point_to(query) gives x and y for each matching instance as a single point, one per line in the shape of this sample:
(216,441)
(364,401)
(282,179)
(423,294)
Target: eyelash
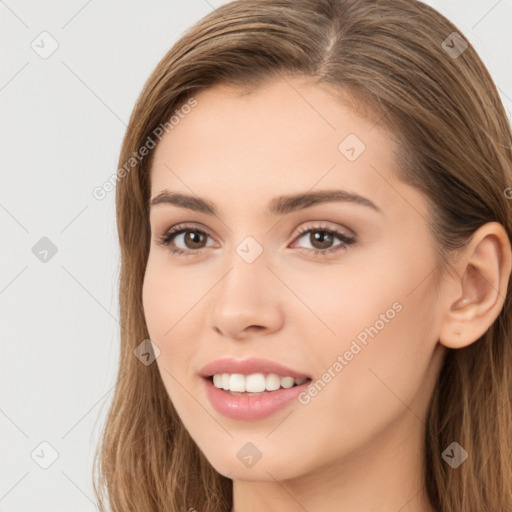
(169,236)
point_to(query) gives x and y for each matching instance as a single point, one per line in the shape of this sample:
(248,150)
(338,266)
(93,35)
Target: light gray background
(63,119)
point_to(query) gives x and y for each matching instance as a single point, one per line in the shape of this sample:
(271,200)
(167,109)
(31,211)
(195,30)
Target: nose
(247,301)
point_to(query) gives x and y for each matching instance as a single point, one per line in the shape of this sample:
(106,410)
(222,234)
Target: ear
(480,288)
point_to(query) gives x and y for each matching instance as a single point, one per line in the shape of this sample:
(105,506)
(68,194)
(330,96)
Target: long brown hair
(402,62)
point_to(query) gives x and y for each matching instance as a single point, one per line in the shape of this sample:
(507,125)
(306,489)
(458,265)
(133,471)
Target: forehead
(286,136)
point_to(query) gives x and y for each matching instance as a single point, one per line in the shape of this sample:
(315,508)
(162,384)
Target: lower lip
(256,407)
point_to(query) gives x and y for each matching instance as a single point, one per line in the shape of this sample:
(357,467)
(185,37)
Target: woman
(314,213)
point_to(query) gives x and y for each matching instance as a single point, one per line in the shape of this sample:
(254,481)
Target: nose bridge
(245,296)
(247,270)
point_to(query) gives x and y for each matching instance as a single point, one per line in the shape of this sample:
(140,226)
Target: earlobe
(481,287)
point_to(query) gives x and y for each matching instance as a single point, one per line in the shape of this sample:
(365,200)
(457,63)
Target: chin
(234,467)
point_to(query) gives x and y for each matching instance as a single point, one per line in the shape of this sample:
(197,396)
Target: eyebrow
(278,206)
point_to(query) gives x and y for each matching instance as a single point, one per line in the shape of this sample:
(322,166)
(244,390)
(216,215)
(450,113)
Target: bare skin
(357,446)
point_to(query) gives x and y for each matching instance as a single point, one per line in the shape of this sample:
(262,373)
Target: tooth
(287,382)
(217,380)
(237,382)
(255,383)
(272,382)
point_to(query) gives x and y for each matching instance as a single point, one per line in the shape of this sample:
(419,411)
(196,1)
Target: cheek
(385,362)
(377,315)
(390,338)
(156,301)
(168,302)
(337,301)
(170,328)
(171,299)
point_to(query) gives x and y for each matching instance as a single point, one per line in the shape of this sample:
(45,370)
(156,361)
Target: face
(339,291)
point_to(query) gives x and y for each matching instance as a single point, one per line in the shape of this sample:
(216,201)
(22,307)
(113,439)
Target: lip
(245,407)
(249,366)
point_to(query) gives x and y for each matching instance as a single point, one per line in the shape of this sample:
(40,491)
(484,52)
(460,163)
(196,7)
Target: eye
(191,234)
(320,238)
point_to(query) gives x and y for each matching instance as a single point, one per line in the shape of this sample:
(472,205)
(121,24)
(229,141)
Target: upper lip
(249,366)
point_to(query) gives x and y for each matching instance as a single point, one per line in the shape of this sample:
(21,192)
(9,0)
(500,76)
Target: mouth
(253,388)
(252,402)
(254,384)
